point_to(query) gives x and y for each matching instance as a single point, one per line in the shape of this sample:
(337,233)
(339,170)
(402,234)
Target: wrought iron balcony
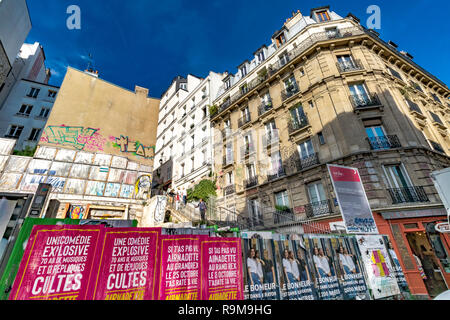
(228,190)
(354,65)
(280,172)
(283,216)
(318,209)
(265,107)
(408,194)
(307,162)
(297,124)
(224,105)
(250,183)
(289,92)
(362,101)
(244,120)
(384,142)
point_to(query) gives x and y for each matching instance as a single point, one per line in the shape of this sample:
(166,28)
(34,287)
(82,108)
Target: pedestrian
(202,206)
(177,199)
(184,196)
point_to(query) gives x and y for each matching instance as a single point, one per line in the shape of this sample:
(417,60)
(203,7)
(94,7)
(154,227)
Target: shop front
(423,252)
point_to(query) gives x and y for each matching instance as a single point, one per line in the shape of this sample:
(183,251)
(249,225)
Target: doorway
(432,269)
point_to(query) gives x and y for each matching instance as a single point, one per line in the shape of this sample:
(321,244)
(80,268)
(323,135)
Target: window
(311,104)
(397,176)
(436,118)
(44,112)
(182,170)
(255,212)
(192,164)
(377,137)
(15,132)
(34,135)
(183,86)
(282,199)
(246,113)
(280,40)
(271,131)
(266,100)
(297,114)
(25,110)
(316,193)
(277,163)
(332,33)
(251,172)
(51,93)
(302,71)
(284,58)
(321,138)
(291,84)
(33,93)
(435,97)
(322,16)
(227,83)
(244,88)
(205,156)
(306,149)
(260,56)
(243,70)
(230,178)
(413,106)
(395,73)
(359,94)
(346,62)
(415,85)
(229,153)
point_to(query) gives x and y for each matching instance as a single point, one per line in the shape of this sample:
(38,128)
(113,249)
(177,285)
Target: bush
(26,152)
(203,190)
(213,110)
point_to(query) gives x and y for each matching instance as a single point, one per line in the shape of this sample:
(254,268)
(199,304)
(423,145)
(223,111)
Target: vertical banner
(325,267)
(58,263)
(221,265)
(352,200)
(381,279)
(350,269)
(259,266)
(127,261)
(179,267)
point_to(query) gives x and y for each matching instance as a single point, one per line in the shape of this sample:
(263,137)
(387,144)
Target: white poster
(380,273)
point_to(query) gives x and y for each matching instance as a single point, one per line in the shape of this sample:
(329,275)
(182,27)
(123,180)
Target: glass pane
(313,195)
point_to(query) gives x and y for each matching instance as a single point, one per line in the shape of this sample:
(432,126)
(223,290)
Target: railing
(283,216)
(231,189)
(265,107)
(305,45)
(297,124)
(244,120)
(317,209)
(307,162)
(408,194)
(286,94)
(361,101)
(355,65)
(250,183)
(281,172)
(384,142)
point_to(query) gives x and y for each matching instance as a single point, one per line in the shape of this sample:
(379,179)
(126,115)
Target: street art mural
(134,147)
(76,212)
(143,187)
(80,138)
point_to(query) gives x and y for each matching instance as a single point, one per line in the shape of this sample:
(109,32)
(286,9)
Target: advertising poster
(57,263)
(350,269)
(221,265)
(126,269)
(381,279)
(325,267)
(352,200)
(179,267)
(396,267)
(260,266)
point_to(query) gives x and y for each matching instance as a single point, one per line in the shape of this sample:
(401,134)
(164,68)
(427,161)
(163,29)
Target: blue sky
(148,43)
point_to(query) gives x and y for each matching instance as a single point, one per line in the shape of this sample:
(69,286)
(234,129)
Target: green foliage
(213,110)
(203,190)
(281,208)
(26,152)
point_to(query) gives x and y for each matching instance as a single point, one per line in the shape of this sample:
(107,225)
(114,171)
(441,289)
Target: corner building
(327,90)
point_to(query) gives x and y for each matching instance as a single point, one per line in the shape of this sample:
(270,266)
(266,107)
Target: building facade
(327,90)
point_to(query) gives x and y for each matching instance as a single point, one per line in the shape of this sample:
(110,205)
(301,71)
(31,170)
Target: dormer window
(280,40)
(243,71)
(227,83)
(260,56)
(323,16)
(183,86)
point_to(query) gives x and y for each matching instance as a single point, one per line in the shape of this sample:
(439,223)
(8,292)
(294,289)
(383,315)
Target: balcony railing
(408,194)
(244,120)
(297,124)
(299,50)
(318,209)
(228,190)
(265,107)
(280,172)
(355,65)
(384,142)
(362,101)
(250,183)
(307,162)
(283,216)
(289,92)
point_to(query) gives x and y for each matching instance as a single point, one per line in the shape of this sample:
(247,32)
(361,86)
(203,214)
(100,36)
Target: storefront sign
(352,200)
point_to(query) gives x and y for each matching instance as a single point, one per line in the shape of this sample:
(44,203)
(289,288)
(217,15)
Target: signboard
(380,273)
(441,180)
(57,264)
(352,200)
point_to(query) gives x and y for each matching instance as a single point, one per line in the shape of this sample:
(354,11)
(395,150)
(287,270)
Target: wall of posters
(381,279)
(396,267)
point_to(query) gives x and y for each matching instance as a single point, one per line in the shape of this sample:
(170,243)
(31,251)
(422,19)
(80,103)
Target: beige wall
(93,115)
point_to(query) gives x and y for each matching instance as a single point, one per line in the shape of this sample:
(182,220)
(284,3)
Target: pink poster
(179,267)
(221,262)
(58,263)
(126,269)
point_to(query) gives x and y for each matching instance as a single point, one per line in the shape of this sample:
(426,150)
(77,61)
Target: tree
(203,190)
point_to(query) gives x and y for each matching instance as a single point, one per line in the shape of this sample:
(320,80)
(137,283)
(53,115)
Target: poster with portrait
(350,269)
(381,279)
(259,266)
(396,267)
(325,267)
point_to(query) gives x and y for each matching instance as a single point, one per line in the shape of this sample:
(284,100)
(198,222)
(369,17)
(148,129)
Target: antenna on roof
(90,70)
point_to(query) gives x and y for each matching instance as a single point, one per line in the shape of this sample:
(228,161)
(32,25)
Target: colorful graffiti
(76,212)
(80,138)
(134,147)
(143,186)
